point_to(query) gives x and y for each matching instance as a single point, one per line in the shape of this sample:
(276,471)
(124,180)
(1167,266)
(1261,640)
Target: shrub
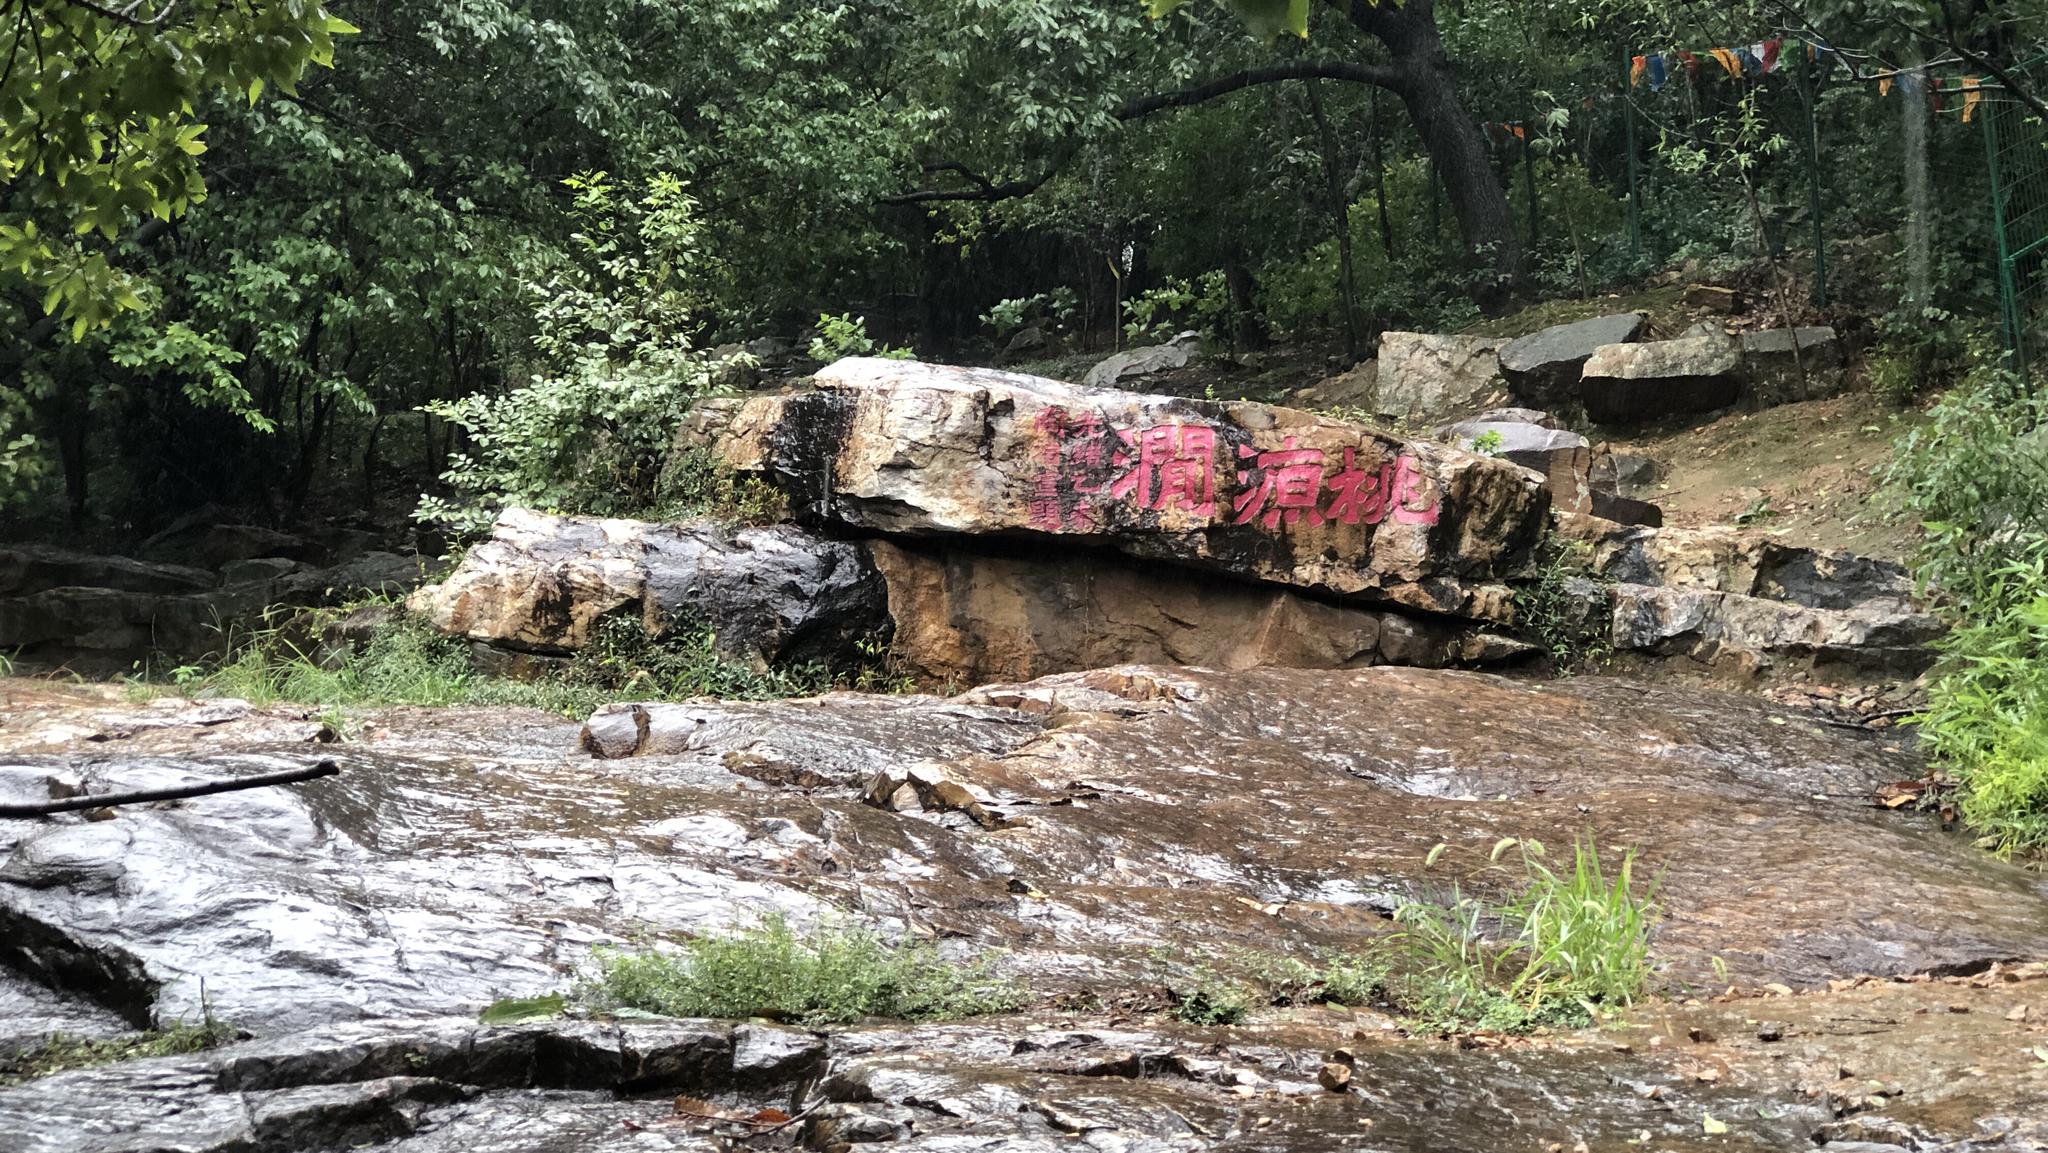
(694,484)
(1976,478)
(834,975)
(616,370)
(847,335)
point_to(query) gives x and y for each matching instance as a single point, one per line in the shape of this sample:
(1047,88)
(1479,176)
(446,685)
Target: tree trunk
(1340,219)
(1424,83)
(1379,181)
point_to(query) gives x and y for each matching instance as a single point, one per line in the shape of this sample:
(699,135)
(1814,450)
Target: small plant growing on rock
(833,975)
(1487,443)
(695,484)
(60,1052)
(1561,607)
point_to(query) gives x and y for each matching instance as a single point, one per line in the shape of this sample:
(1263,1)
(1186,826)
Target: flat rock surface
(465,854)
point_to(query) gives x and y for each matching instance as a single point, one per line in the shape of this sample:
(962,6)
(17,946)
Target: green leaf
(512,1010)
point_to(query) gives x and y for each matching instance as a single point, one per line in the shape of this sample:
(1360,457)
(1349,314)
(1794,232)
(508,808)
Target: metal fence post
(1635,195)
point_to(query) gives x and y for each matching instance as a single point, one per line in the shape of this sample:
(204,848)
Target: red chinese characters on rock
(1172,467)
(1067,441)
(1287,485)
(1169,466)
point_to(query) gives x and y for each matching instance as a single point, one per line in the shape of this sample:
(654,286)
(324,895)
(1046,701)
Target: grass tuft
(833,975)
(61,1052)
(1573,941)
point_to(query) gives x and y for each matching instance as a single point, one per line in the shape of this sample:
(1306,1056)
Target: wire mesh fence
(2016,158)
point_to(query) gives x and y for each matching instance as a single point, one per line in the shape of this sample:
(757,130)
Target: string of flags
(1754,61)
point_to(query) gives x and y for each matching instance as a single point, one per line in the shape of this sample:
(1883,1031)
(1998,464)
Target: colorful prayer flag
(1971,95)
(1728,60)
(1636,68)
(1658,73)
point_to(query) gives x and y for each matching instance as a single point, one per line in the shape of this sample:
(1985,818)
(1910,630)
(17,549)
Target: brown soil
(1806,472)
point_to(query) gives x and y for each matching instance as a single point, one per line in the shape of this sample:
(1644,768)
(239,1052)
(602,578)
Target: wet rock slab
(1867,1066)
(427,1086)
(1085,823)
(466,855)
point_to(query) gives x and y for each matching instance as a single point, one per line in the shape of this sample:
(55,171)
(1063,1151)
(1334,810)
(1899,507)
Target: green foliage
(1202,304)
(1211,999)
(1976,478)
(1332,977)
(836,974)
(1893,377)
(682,661)
(60,1052)
(1487,443)
(695,484)
(1265,18)
(843,336)
(1055,309)
(512,1010)
(99,128)
(1552,606)
(589,433)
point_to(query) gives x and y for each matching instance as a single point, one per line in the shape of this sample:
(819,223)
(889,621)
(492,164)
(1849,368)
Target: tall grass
(406,662)
(1573,941)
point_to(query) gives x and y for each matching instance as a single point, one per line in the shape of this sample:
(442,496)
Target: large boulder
(1112,370)
(1427,379)
(1355,387)
(1636,383)
(542,584)
(1262,493)
(1792,364)
(1543,367)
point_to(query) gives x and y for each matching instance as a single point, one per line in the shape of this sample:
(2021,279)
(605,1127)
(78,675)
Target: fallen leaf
(1711,1127)
(514,1009)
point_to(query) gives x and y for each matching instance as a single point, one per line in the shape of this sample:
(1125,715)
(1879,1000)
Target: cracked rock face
(1261,493)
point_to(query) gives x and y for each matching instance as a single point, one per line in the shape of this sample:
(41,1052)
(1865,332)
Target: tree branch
(1377,75)
(1139,107)
(179,793)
